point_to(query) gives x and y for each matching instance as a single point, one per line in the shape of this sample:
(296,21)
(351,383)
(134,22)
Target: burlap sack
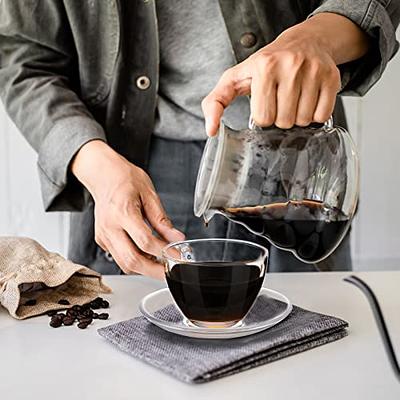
(30,272)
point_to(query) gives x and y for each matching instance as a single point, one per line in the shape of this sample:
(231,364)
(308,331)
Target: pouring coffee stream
(298,188)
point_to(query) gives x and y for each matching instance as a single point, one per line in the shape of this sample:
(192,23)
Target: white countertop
(39,362)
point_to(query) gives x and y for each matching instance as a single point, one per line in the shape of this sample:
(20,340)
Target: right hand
(127,208)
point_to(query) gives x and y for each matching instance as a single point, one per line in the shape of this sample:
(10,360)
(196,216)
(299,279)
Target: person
(114,95)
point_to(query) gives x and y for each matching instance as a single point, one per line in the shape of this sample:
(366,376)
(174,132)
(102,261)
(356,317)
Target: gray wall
(373,123)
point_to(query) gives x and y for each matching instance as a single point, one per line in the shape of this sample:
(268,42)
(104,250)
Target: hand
(126,208)
(294,80)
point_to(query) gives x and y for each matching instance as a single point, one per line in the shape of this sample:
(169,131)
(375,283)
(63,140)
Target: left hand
(292,81)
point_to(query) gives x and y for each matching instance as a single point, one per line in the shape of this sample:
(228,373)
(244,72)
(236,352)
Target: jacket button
(108,256)
(248,39)
(143,82)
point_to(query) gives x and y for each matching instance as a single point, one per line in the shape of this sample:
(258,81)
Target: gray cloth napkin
(200,360)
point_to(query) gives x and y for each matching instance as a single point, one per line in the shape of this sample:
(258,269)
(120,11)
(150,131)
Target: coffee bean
(88,313)
(72,313)
(81,317)
(84,313)
(31,302)
(94,305)
(105,304)
(85,307)
(82,325)
(55,323)
(67,321)
(58,316)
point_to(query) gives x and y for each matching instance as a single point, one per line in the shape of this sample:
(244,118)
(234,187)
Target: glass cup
(214,282)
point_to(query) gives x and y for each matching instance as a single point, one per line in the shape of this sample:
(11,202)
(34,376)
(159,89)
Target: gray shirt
(194,52)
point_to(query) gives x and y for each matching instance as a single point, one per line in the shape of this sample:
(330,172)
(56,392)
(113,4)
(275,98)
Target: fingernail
(167,222)
(179,234)
(209,124)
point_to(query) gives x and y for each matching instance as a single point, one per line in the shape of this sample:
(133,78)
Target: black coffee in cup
(214,292)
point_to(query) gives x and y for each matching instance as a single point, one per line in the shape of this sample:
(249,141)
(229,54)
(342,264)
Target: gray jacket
(76,70)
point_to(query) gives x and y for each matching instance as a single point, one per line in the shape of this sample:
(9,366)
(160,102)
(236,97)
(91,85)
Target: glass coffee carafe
(298,187)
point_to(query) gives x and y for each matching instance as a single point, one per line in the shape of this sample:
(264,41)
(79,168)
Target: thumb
(158,219)
(233,82)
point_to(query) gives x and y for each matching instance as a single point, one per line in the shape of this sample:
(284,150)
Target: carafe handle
(327,125)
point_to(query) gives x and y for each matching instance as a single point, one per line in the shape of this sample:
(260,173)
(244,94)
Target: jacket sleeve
(379,19)
(39,89)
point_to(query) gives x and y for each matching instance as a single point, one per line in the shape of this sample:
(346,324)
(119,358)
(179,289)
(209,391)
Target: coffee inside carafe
(308,228)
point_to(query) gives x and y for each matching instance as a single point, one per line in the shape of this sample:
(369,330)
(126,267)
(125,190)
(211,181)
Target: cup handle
(327,125)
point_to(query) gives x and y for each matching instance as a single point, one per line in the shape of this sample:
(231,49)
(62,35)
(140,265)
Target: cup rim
(264,250)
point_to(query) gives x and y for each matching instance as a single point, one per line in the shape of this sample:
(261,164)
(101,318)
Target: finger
(101,243)
(307,103)
(99,236)
(288,93)
(263,100)
(325,105)
(142,235)
(130,259)
(327,97)
(158,219)
(233,82)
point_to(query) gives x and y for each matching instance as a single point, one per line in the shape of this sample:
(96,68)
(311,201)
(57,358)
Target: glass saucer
(269,309)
